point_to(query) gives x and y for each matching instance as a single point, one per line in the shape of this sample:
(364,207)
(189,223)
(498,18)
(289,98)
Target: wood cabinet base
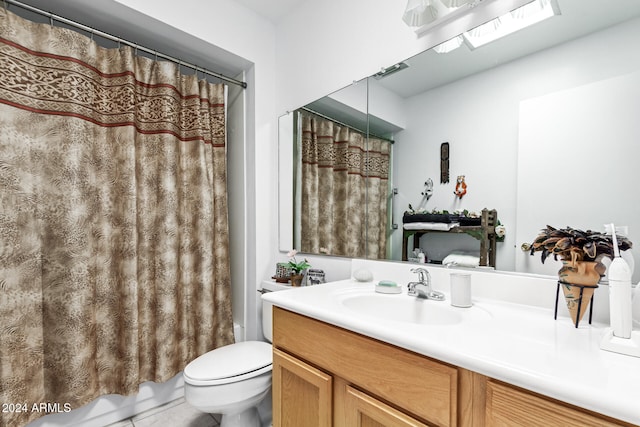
(324,375)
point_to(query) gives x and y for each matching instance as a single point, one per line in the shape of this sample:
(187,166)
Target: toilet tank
(267,307)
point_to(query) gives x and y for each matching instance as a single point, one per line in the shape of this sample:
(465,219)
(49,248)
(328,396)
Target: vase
(579,280)
(296,279)
(577,304)
(586,273)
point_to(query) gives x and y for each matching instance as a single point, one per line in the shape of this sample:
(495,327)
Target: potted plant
(581,253)
(297,267)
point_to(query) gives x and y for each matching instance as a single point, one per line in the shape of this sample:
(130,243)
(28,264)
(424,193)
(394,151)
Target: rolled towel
(461,259)
(437,226)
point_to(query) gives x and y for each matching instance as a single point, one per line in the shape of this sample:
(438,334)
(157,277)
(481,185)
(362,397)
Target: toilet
(235,380)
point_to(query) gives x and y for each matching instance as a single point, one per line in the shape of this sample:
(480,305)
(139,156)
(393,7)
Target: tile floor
(175,414)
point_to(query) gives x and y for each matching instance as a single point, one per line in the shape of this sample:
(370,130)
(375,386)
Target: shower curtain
(114,260)
(344,190)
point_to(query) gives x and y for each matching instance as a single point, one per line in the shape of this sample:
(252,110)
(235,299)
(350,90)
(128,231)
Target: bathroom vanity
(346,356)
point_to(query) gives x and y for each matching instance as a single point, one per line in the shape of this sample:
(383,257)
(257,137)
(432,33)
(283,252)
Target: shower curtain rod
(53,17)
(309,110)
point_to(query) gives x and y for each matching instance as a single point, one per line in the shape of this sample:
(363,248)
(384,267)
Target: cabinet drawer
(420,386)
(362,410)
(511,406)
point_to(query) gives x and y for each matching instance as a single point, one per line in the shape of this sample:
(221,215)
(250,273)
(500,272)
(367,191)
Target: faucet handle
(423,273)
(423,288)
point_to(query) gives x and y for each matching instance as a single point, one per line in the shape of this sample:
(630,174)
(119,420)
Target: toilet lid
(232,362)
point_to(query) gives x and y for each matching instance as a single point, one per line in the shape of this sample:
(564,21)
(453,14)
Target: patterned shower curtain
(345,178)
(114,261)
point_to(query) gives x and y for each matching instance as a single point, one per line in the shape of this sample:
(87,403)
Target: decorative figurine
(428,190)
(461,187)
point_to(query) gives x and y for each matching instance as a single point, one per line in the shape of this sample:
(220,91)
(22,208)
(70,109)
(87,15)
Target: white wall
(236,181)
(597,142)
(323,46)
(386,105)
(479,116)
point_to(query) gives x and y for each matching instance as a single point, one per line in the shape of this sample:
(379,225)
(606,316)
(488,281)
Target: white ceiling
(273,10)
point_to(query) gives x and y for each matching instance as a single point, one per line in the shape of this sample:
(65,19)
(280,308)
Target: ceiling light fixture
(419,13)
(455,3)
(424,15)
(522,17)
(449,45)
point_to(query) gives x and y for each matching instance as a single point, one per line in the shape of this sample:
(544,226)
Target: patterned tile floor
(175,414)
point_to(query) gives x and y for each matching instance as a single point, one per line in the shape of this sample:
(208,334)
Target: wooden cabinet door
(421,386)
(362,410)
(302,394)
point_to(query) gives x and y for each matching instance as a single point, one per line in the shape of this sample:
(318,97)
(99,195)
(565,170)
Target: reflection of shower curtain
(377,181)
(344,190)
(114,264)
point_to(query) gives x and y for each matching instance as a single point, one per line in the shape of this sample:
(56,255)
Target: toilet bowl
(234,380)
(230,381)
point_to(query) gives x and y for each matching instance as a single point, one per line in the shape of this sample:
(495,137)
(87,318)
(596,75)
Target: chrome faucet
(422,288)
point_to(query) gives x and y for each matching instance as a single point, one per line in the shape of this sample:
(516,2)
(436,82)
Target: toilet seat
(229,364)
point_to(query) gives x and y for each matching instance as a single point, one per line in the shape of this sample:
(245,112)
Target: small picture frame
(315,276)
(283,272)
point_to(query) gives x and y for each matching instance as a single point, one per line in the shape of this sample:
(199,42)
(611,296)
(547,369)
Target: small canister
(461,289)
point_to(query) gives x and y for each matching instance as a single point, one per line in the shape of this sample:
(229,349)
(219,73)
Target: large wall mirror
(541,123)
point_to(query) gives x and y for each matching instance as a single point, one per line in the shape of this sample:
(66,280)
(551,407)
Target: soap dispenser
(620,338)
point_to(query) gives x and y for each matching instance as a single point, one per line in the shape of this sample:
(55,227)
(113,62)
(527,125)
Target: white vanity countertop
(518,344)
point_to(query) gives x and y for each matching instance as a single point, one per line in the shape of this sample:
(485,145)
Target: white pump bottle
(620,338)
(620,293)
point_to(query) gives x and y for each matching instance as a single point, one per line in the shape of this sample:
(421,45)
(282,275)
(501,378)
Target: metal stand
(555,316)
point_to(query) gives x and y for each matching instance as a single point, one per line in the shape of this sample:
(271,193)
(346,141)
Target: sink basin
(408,309)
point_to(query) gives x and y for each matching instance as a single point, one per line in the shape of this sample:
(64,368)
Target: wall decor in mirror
(541,122)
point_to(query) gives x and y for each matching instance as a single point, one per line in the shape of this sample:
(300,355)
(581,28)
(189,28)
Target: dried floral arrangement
(570,244)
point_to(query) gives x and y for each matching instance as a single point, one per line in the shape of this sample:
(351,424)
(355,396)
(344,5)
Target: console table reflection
(485,233)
